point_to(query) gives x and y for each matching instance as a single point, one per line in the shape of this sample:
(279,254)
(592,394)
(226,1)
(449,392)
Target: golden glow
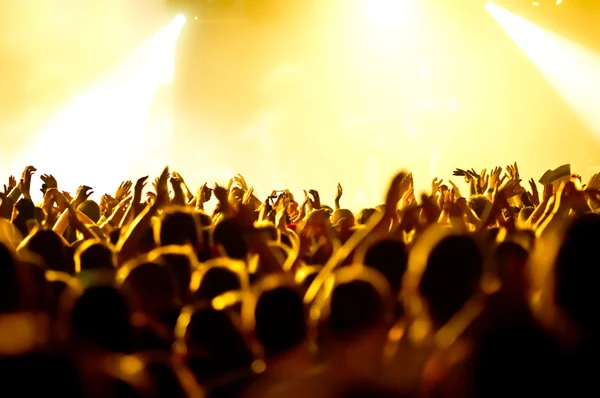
(82,143)
(573,71)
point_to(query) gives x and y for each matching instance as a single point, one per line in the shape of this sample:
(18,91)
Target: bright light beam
(100,135)
(571,69)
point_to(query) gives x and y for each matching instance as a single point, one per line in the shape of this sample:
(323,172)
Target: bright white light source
(536,4)
(573,70)
(112,115)
(559,2)
(180,19)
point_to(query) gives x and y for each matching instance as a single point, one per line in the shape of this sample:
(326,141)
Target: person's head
(182,263)
(150,286)
(94,255)
(576,272)
(100,318)
(451,277)
(230,236)
(212,280)
(355,301)
(340,214)
(479,204)
(389,257)
(25,213)
(518,358)
(91,209)
(50,248)
(210,342)
(511,266)
(279,320)
(178,227)
(363,216)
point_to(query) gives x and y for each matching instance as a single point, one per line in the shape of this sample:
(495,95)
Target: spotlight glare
(536,4)
(559,2)
(490,5)
(180,19)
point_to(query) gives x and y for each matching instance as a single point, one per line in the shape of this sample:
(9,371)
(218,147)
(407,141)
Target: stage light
(559,2)
(536,4)
(571,69)
(113,113)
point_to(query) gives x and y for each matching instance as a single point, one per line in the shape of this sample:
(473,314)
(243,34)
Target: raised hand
(463,173)
(178,195)
(338,196)
(247,199)
(594,182)
(140,184)
(203,195)
(534,195)
(241,182)
(12,182)
(49,181)
(512,171)
(315,201)
(83,193)
(495,178)
(123,191)
(162,188)
(548,192)
(26,181)
(512,188)
(483,181)
(455,190)
(435,186)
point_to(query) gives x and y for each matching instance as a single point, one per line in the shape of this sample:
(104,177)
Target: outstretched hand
(124,190)
(26,181)
(338,196)
(83,193)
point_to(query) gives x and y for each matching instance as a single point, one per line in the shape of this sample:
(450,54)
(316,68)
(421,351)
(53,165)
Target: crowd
(144,294)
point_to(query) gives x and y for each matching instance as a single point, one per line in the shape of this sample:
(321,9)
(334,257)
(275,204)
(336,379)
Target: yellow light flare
(571,69)
(105,134)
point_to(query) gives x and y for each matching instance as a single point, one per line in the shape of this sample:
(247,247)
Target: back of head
(215,281)
(231,237)
(94,255)
(151,286)
(178,228)
(50,247)
(511,262)
(100,317)
(525,213)
(354,301)
(91,209)
(10,292)
(363,216)
(577,272)
(479,204)
(451,277)
(181,266)
(516,359)
(214,345)
(389,257)
(279,319)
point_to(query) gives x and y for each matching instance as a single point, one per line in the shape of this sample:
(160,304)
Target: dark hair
(231,237)
(95,256)
(101,317)
(280,321)
(451,277)
(576,273)
(91,209)
(389,257)
(479,204)
(216,281)
(50,247)
(179,228)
